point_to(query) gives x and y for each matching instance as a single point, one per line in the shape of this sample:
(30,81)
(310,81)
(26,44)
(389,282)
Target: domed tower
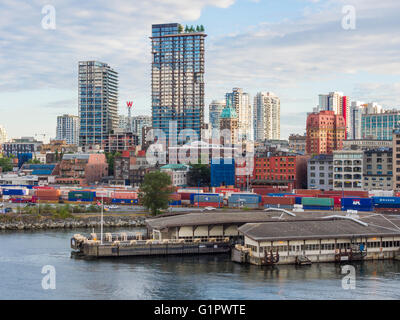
(229,120)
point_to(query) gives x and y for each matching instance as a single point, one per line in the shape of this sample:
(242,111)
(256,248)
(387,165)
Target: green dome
(228,113)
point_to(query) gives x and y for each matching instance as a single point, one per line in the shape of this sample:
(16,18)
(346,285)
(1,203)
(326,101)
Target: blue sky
(294,48)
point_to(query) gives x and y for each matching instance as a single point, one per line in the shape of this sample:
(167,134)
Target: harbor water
(23,254)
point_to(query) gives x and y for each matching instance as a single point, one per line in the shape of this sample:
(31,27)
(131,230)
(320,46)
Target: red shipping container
(308,191)
(278,200)
(207,204)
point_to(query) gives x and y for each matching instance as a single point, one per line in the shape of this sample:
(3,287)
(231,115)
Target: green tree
(155,191)
(199,175)
(180,28)
(110,156)
(6,164)
(33,161)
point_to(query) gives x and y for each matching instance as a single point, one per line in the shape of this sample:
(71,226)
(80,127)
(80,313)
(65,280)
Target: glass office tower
(177,77)
(98,102)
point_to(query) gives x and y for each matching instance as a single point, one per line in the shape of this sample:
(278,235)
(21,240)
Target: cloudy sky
(294,48)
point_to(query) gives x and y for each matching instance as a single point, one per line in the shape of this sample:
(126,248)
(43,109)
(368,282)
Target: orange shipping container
(124,195)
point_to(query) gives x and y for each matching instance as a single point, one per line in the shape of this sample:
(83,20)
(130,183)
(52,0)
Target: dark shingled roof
(318,229)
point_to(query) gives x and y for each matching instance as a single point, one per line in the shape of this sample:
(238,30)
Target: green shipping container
(325,202)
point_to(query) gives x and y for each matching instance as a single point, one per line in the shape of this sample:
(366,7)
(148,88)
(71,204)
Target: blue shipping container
(195,196)
(386,202)
(125,201)
(244,197)
(360,204)
(13,192)
(175,203)
(297,200)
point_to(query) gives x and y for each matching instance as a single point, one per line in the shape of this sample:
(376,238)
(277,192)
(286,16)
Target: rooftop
(316,229)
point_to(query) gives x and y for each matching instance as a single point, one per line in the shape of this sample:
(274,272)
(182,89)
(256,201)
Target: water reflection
(23,254)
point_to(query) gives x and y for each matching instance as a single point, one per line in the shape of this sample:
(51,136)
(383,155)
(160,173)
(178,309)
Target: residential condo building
(68,129)
(240,101)
(98,102)
(177,85)
(266,116)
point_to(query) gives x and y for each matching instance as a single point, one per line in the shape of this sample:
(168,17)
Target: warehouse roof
(230,217)
(318,229)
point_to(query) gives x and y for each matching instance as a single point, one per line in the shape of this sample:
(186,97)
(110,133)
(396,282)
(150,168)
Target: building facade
(379,126)
(338,103)
(297,143)
(240,101)
(229,120)
(280,170)
(266,122)
(177,172)
(325,132)
(82,169)
(216,107)
(378,169)
(98,102)
(348,170)
(68,129)
(396,159)
(3,135)
(177,73)
(320,172)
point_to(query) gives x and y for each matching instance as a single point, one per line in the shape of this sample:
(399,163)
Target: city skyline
(309,53)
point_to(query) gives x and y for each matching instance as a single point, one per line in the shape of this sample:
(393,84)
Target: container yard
(219,197)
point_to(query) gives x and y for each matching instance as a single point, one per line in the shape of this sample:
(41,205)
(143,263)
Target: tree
(201,28)
(6,164)
(180,28)
(33,161)
(155,191)
(199,175)
(110,156)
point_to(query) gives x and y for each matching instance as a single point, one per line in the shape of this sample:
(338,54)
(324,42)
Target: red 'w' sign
(129,104)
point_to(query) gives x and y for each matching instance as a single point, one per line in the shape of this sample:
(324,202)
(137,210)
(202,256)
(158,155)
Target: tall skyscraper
(98,102)
(338,103)
(240,101)
(177,73)
(267,113)
(216,107)
(68,129)
(3,135)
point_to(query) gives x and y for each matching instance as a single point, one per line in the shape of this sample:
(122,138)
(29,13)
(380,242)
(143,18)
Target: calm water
(23,254)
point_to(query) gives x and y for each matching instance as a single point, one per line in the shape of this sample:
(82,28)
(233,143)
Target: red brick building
(280,172)
(325,132)
(82,169)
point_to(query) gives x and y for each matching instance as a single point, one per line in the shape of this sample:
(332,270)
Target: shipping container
(81,195)
(124,195)
(175,203)
(15,192)
(278,200)
(320,202)
(124,201)
(318,207)
(380,193)
(246,198)
(386,202)
(208,204)
(360,204)
(307,191)
(206,197)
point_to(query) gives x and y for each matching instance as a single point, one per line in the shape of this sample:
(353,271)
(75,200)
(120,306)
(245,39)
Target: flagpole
(101,223)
